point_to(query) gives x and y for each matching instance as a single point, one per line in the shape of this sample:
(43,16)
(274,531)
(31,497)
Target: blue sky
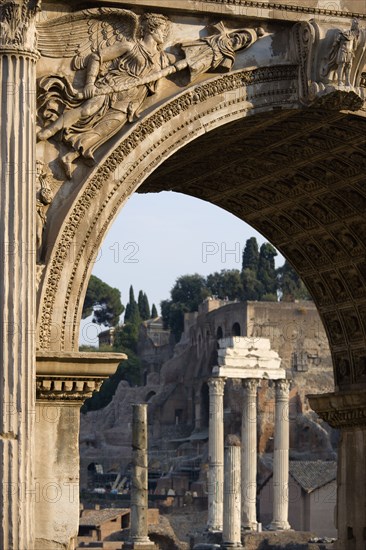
(158,237)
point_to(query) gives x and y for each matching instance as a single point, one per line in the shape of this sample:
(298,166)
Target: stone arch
(149,396)
(219,333)
(236,329)
(294,174)
(72,249)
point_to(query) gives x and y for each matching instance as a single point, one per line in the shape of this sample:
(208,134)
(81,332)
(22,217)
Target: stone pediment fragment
(245,357)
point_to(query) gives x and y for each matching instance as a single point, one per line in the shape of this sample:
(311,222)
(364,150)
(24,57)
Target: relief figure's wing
(80,33)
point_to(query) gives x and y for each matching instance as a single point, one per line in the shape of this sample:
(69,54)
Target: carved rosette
(17,26)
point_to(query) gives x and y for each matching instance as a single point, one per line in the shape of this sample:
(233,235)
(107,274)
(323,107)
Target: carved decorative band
(341,410)
(195,95)
(287,7)
(66,389)
(345,418)
(27,54)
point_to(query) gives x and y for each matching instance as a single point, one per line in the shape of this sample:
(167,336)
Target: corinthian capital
(250,385)
(17,24)
(282,388)
(216,385)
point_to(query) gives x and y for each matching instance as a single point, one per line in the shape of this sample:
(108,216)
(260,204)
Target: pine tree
(154,312)
(226,284)
(103,302)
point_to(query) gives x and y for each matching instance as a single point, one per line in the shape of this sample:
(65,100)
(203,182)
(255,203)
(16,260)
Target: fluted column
(17,272)
(216,454)
(249,454)
(280,457)
(231,535)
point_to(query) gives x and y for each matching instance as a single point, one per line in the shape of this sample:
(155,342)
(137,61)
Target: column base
(211,529)
(252,526)
(278,526)
(140,545)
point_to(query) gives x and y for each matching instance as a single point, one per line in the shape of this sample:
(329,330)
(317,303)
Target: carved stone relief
(43,200)
(342,369)
(292,168)
(335,328)
(124,60)
(331,63)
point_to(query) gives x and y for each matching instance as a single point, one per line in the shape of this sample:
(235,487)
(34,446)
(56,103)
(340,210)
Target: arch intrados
(318,213)
(157,137)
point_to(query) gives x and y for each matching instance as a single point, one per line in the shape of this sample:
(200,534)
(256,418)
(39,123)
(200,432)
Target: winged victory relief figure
(122,58)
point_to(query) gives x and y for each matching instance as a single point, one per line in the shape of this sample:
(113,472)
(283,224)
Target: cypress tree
(154,312)
(132,314)
(267,272)
(251,255)
(144,307)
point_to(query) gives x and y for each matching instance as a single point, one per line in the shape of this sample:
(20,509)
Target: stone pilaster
(139,482)
(216,454)
(17,272)
(231,535)
(249,454)
(281,457)
(346,411)
(64,381)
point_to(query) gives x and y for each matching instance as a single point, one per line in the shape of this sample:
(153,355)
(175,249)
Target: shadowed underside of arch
(295,174)
(298,178)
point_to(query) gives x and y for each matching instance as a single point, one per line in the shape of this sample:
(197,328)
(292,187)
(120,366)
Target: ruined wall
(178,405)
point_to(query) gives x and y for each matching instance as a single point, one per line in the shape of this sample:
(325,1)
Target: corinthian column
(249,454)
(17,271)
(231,535)
(280,458)
(216,454)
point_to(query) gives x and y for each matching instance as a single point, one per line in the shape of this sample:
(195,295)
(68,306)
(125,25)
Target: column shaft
(139,485)
(17,276)
(280,458)
(216,455)
(345,410)
(249,455)
(231,535)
